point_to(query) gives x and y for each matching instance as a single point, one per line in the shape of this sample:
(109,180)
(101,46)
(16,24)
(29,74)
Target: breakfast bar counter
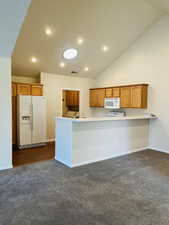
(87,140)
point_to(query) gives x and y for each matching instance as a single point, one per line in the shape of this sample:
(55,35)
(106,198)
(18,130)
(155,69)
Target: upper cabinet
(109,92)
(72,98)
(131,96)
(23,89)
(27,89)
(93,98)
(14,89)
(139,96)
(134,96)
(97,97)
(116,92)
(112,92)
(125,97)
(36,90)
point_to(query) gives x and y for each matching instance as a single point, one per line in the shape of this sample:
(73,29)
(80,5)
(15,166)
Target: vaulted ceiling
(114,23)
(12,15)
(160,4)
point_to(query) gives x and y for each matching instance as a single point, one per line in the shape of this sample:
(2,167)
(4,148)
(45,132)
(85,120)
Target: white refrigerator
(31,121)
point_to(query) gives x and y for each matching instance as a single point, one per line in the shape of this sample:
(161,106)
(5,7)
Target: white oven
(112,103)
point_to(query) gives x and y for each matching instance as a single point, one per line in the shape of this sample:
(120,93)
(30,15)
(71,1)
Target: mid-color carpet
(129,190)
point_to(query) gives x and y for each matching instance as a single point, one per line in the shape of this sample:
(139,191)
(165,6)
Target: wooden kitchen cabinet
(109,92)
(134,96)
(116,92)
(131,96)
(72,98)
(97,97)
(101,97)
(139,96)
(36,90)
(125,97)
(23,89)
(27,89)
(93,98)
(112,92)
(14,89)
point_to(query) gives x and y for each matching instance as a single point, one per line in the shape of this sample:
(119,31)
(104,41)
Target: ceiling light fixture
(48,31)
(86,69)
(70,53)
(34,60)
(62,64)
(105,48)
(80,41)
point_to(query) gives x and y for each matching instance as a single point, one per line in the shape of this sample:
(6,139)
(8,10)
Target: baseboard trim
(106,158)
(159,150)
(72,165)
(31,146)
(64,162)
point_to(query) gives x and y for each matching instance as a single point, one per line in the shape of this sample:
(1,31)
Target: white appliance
(31,121)
(112,103)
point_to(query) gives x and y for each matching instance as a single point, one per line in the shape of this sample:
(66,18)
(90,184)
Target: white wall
(12,15)
(5,114)
(147,61)
(24,79)
(53,85)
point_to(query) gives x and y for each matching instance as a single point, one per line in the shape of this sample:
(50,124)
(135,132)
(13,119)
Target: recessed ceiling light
(70,53)
(34,60)
(62,64)
(86,69)
(48,31)
(80,41)
(105,48)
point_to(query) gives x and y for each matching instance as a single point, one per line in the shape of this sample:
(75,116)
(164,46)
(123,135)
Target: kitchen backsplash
(101,112)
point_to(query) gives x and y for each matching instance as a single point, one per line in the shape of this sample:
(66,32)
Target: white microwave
(112,103)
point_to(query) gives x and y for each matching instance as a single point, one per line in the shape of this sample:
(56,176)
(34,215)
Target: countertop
(95,119)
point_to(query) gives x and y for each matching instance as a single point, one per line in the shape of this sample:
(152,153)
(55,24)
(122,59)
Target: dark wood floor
(32,155)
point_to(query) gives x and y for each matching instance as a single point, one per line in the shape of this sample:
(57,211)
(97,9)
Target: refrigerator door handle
(32,117)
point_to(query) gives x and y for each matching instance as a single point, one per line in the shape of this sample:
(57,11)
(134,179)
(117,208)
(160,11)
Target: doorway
(71,103)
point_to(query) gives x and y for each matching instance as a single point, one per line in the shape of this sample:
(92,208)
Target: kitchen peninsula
(86,140)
